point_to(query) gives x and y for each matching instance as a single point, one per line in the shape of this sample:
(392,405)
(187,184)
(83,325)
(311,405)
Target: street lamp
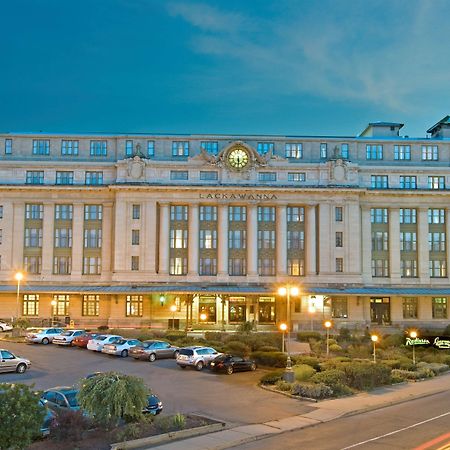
(173,308)
(19,278)
(414,335)
(287,291)
(283,328)
(327,325)
(374,338)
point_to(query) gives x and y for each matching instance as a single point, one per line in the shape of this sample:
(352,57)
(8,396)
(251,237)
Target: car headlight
(159,404)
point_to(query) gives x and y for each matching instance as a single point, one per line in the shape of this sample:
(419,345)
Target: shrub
(435,367)
(237,348)
(333,378)
(179,421)
(284,386)
(268,348)
(272,359)
(411,374)
(271,377)
(367,375)
(312,390)
(359,351)
(392,363)
(257,340)
(22,322)
(335,348)
(245,327)
(103,328)
(215,336)
(310,360)
(345,334)
(303,372)
(334,363)
(392,340)
(21,415)
(305,336)
(129,432)
(174,335)
(69,425)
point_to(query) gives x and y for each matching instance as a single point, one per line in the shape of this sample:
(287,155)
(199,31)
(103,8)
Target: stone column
(423,252)
(222,236)
(281,240)
(121,262)
(326,240)
(394,245)
(164,230)
(352,239)
(193,240)
(47,239)
(107,224)
(310,237)
(77,240)
(366,243)
(148,232)
(252,240)
(18,235)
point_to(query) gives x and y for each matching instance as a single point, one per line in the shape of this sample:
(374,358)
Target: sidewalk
(324,411)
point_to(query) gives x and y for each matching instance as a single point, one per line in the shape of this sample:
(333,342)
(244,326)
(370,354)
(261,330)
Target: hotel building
(115,229)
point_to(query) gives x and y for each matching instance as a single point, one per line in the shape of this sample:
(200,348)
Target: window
(339,265)
(436,242)
(63,212)
(179,175)
(63,237)
(237,239)
(208,213)
(69,148)
(93,238)
(210,146)
(208,239)
(296,176)
(430,153)
(379,215)
(266,214)
(408,241)
(134,237)
(408,182)
(402,152)
(295,214)
(296,267)
(32,264)
(408,215)
(237,266)
(410,307)
(34,211)
(408,268)
(374,151)
(344,151)
(91,305)
(266,239)
(436,216)
(93,212)
(380,241)
(264,147)
(62,265)
(98,148)
(92,265)
(41,147)
(30,305)
(64,177)
(439,307)
(179,213)
(93,178)
(1,236)
(295,240)
(180,148)
(8,146)
(438,268)
(178,238)
(380,268)
(1,211)
(136,212)
(294,150)
(128,148)
(150,148)
(178,266)
(33,237)
(323,151)
(338,214)
(379,181)
(436,183)
(266,266)
(135,263)
(339,308)
(267,176)
(339,239)
(208,175)
(237,213)
(35,177)
(134,306)
(208,266)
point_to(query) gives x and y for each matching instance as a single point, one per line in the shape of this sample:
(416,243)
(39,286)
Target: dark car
(61,397)
(230,364)
(152,350)
(82,341)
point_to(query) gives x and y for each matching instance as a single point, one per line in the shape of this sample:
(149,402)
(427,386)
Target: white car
(67,337)
(120,347)
(5,326)
(98,343)
(42,335)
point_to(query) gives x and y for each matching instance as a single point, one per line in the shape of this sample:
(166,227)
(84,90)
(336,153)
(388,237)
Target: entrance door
(380,310)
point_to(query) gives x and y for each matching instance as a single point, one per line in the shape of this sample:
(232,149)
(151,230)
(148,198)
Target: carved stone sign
(237,196)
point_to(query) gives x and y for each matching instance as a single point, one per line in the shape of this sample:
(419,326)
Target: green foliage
(365,376)
(305,336)
(271,359)
(271,377)
(392,363)
(237,348)
(102,328)
(268,348)
(21,416)
(69,425)
(174,335)
(215,336)
(303,372)
(435,367)
(179,421)
(110,397)
(310,360)
(128,432)
(335,379)
(359,351)
(22,323)
(345,334)
(245,327)
(392,340)
(284,386)
(335,348)
(411,374)
(312,390)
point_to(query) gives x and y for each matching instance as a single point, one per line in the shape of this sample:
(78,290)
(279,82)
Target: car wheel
(152,357)
(229,370)
(21,368)
(175,354)
(253,367)
(45,341)
(1,328)
(199,365)
(182,367)
(124,353)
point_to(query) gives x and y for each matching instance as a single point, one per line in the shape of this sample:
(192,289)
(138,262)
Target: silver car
(67,337)
(5,326)
(120,347)
(99,341)
(42,335)
(9,362)
(197,357)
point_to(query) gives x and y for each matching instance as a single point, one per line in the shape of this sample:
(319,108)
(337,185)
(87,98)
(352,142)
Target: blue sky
(230,66)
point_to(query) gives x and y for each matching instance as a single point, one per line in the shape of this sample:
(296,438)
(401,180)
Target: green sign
(439,342)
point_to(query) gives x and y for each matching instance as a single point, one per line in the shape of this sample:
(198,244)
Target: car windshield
(121,342)
(72,399)
(101,338)
(39,330)
(67,333)
(186,352)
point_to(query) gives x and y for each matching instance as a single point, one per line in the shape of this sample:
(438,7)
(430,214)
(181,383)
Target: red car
(82,341)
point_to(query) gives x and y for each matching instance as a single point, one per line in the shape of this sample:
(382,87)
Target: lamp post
(283,328)
(19,278)
(287,291)
(374,338)
(327,325)
(414,335)
(173,308)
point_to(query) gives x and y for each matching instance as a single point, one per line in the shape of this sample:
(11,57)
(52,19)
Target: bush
(245,327)
(303,372)
(335,348)
(435,367)
(215,336)
(271,359)
(312,390)
(364,376)
(22,323)
(271,377)
(69,425)
(268,348)
(175,335)
(305,336)
(345,334)
(237,348)
(392,340)
(333,378)
(310,360)
(257,340)
(179,421)
(102,328)
(359,351)
(21,416)
(392,363)
(284,386)
(411,374)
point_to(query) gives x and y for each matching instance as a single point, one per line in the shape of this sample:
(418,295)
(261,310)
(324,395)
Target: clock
(238,158)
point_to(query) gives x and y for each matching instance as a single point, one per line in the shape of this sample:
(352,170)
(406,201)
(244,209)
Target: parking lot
(232,398)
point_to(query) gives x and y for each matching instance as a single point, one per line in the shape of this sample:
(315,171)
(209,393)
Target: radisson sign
(237,196)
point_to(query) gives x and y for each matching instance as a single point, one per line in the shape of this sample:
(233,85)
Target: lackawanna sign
(238,196)
(442,343)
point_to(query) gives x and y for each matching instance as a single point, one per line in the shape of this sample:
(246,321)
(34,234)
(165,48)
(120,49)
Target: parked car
(196,356)
(5,326)
(82,340)
(61,397)
(48,418)
(42,335)
(67,337)
(120,347)
(99,341)
(9,362)
(152,350)
(231,363)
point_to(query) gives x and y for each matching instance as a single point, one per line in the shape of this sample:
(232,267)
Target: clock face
(238,158)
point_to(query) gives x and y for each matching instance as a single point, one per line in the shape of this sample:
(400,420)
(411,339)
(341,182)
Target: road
(422,424)
(233,399)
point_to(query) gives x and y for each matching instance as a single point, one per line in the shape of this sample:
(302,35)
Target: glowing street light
(374,338)
(327,324)
(283,328)
(413,334)
(19,278)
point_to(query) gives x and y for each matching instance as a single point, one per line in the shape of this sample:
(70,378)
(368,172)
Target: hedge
(305,336)
(271,359)
(312,390)
(271,377)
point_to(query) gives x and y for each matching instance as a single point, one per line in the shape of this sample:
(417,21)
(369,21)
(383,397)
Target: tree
(111,397)
(21,416)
